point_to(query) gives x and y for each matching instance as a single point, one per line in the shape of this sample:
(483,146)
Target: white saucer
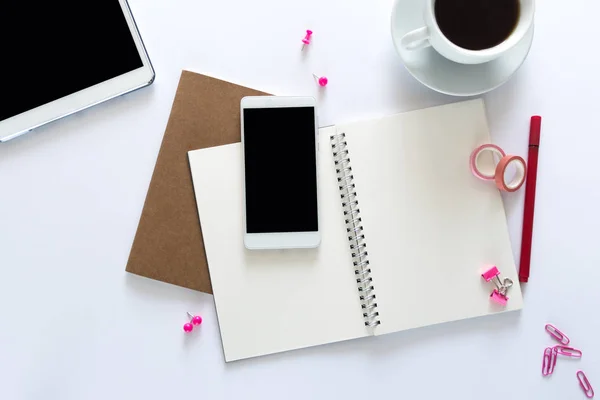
(443,75)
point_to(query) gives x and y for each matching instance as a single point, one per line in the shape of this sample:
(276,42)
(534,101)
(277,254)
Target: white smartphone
(279,137)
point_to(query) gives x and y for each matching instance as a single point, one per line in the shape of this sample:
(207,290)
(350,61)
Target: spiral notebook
(406,230)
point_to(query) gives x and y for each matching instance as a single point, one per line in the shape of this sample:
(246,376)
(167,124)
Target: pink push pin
(323,81)
(194,320)
(306,40)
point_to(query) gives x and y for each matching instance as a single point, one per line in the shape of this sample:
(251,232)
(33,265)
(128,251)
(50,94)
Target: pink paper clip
(568,351)
(549,361)
(585,384)
(558,335)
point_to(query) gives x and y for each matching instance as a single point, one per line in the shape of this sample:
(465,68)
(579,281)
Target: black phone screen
(280,170)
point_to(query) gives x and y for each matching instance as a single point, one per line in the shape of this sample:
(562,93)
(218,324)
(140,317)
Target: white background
(75,325)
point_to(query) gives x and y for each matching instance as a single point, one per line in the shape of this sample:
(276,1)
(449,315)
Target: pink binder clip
(490,274)
(556,334)
(502,286)
(568,351)
(585,384)
(549,361)
(499,298)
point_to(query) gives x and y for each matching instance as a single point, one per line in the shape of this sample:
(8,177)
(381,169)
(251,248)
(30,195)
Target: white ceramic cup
(431,35)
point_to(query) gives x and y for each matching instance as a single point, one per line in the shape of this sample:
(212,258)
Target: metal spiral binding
(356,237)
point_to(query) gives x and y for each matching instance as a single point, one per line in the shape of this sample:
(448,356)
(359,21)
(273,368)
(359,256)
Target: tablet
(60,57)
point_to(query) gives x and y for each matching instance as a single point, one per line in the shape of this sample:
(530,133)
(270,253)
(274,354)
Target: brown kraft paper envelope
(168,245)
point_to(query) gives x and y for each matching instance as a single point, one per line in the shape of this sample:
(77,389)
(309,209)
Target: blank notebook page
(430,225)
(274,300)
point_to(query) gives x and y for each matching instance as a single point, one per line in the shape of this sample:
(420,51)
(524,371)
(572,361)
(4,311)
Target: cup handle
(416,40)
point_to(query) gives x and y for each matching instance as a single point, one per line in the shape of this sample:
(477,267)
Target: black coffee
(477,24)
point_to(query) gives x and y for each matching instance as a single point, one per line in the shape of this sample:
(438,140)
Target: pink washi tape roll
(519,178)
(485,174)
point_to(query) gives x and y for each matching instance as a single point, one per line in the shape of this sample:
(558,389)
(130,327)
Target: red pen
(532,161)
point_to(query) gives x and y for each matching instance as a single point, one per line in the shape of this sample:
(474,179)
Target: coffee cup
(471,31)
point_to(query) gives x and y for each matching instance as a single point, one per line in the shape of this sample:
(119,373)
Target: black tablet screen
(51,49)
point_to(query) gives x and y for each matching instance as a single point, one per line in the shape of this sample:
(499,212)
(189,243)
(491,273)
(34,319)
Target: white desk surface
(75,325)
